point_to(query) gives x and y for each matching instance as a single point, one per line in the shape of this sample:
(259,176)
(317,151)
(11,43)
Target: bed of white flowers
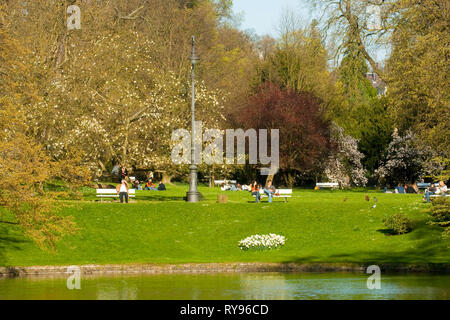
(262,242)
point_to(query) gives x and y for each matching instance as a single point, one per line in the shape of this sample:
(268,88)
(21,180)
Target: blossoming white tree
(116,104)
(344,165)
(405,160)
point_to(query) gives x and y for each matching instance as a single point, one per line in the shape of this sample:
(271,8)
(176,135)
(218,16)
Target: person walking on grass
(123,191)
(255,191)
(270,190)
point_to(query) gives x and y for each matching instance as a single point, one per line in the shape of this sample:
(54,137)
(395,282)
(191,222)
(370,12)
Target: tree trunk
(167,179)
(289,179)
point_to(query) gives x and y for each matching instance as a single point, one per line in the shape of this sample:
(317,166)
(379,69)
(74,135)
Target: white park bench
(112,193)
(279,193)
(440,195)
(327,185)
(423,185)
(220,182)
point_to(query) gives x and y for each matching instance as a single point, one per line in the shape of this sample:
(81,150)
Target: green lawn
(161,228)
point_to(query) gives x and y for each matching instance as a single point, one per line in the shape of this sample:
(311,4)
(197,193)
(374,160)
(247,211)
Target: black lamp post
(193,195)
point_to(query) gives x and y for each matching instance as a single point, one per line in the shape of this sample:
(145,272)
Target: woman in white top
(123,191)
(442,188)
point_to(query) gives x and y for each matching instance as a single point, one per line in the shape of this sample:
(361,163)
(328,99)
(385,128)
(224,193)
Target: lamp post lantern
(193,195)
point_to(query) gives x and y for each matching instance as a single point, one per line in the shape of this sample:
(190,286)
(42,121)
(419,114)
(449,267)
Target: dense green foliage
(398,223)
(440,215)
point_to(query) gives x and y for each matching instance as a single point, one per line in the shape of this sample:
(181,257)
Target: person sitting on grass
(409,189)
(400,189)
(431,190)
(123,173)
(415,187)
(161,186)
(255,191)
(270,190)
(137,185)
(123,191)
(442,188)
(225,187)
(150,185)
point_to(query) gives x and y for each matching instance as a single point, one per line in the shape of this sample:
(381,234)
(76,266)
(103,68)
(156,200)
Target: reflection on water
(266,286)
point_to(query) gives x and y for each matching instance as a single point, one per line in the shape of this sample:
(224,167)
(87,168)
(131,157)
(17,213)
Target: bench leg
(285,199)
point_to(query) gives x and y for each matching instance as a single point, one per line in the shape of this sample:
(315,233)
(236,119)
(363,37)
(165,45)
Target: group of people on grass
(149,185)
(123,188)
(234,187)
(255,188)
(434,188)
(439,188)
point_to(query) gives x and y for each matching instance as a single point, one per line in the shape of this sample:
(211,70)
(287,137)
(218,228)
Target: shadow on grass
(8,242)
(159,197)
(429,253)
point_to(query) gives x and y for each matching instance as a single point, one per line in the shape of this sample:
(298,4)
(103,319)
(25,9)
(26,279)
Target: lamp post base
(193,196)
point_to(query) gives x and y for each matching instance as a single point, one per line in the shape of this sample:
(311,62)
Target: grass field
(161,228)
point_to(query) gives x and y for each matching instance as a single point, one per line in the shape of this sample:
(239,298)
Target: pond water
(262,286)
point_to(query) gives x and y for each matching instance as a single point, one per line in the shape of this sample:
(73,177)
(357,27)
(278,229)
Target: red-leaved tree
(304,130)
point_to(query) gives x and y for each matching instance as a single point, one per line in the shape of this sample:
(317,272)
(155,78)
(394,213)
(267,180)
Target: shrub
(440,215)
(398,223)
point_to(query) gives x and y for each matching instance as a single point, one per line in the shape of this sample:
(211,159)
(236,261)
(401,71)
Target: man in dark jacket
(161,186)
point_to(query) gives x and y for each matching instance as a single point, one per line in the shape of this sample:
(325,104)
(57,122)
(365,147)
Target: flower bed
(262,242)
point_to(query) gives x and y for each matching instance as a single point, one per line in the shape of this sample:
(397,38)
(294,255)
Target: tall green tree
(359,110)
(418,69)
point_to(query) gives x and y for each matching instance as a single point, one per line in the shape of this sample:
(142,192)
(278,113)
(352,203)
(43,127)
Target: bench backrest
(327,184)
(113,191)
(284,191)
(422,185)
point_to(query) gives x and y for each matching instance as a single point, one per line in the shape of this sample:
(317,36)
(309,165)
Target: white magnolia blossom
(344,166)
(261,242)
(113,102)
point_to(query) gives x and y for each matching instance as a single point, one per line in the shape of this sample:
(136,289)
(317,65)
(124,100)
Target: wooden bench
(423,185)
(327,185)
(112,193)
(279,193)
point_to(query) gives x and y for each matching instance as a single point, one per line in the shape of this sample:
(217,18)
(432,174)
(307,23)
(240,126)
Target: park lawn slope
(320,227)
